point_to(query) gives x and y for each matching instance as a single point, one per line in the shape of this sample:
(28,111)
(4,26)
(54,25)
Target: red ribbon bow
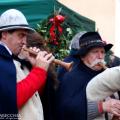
(56,25)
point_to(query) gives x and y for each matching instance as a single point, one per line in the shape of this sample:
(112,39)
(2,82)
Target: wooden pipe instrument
(67,66)
(103,65)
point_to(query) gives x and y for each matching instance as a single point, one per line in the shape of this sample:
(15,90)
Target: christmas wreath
(57,34)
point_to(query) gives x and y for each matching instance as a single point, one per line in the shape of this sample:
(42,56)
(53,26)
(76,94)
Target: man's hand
(112,106)
(44,59)
(40,59)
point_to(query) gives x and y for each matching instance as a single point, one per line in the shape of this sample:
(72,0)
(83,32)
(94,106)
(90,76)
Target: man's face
(94,57)
(15,40)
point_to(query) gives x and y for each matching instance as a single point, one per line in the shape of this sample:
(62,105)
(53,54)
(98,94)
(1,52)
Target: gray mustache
(97,62)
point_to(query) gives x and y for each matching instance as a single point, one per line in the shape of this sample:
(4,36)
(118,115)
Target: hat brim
(108,47)
(17,27)
(85,50)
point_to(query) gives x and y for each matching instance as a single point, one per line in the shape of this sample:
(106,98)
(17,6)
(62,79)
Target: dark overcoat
(71,103)
(8,101)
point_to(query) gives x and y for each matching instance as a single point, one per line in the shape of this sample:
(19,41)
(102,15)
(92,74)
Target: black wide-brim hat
(91,40)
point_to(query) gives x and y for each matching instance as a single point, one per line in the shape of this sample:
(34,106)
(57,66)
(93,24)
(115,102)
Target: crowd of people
(32,89)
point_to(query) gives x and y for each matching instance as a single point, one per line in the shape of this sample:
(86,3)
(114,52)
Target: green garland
(61,49)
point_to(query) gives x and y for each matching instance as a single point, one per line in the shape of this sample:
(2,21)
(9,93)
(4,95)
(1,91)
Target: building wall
(101,11)
(117,28)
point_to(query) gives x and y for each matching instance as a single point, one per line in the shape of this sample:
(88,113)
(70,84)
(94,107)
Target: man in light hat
(71,94)
(21,96)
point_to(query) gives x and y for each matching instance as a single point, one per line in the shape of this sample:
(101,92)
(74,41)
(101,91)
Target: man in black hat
(71,94)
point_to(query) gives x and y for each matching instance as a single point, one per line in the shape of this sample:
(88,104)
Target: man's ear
(4,35)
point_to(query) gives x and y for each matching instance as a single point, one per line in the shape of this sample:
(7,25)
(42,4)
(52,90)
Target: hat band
(90,42)
(22,25)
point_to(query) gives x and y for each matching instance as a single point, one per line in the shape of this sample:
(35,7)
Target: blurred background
(89,15)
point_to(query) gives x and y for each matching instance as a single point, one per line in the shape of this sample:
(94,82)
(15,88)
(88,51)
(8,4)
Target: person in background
(71,98)
(18,87)
(72,57)
(104,85)
(47,94)
(111,59)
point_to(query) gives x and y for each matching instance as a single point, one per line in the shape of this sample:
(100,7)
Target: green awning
(79,22)
(34,10)
(37,10)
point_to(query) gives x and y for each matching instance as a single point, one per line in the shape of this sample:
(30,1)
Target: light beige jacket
(103,85)
(32,110)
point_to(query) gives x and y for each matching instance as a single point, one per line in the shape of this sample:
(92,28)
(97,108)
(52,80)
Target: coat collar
(4,52)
